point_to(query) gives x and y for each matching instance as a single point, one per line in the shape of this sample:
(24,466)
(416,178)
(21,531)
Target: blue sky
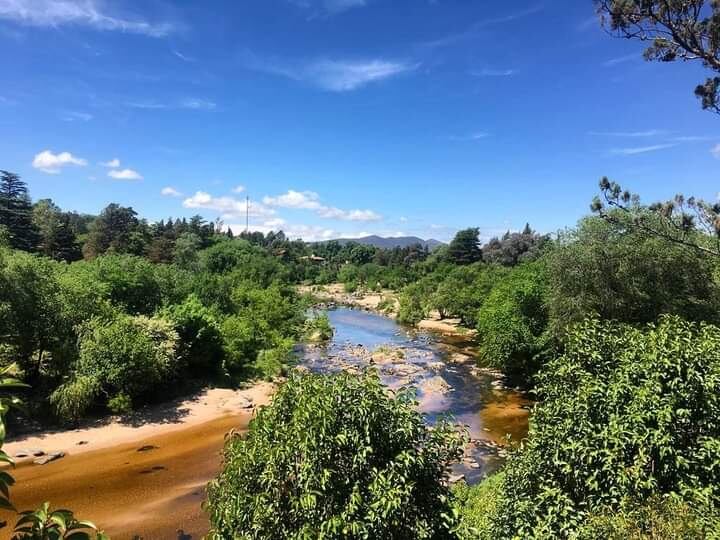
(343,117)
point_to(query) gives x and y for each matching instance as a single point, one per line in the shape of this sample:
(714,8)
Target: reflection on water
(473,397)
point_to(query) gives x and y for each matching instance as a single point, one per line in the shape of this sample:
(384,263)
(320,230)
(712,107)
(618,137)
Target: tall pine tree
(16,212)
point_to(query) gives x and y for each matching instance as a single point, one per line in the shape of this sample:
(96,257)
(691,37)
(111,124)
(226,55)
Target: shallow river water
(157,495)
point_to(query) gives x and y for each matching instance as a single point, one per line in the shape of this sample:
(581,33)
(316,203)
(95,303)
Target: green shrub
(336,457)
(623,414)
(512,320)
(660,518)
(120,403)
(73,398)
(271,363)
(132,355)
(477,505)
(200,337)
(318,328)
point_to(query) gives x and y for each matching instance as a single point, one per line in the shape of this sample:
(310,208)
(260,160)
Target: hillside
(392,242)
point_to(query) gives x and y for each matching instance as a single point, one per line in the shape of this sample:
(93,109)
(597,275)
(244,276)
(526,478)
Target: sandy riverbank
(150,494)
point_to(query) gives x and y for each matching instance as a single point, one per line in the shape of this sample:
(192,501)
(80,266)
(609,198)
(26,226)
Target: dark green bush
(336,457)
(623,414)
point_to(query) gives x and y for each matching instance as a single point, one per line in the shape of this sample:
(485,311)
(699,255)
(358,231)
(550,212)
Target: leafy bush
(512,320)
(603,270)
(624,414)
(336,457)
(130,355)
(318,328)
(71,399)
(271,363)
(477,505)
(120,403)
(659,518)
(199,332)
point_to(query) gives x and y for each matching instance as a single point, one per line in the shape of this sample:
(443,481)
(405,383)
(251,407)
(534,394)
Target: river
(157,494)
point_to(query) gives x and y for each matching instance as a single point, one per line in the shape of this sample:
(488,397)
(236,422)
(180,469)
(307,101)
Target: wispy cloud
(621,60)
(50,163)
(309,200)
(476,136)
(170,192)
(238,189)
(74,116)
(197,104)
(494,73)
(125,174)
(54,13)
(692,138)
(646,133)
(329,7)
(113,163)
(641,149)
(229,207)
(183,57)
(476,27)
(715,151)
(332,75)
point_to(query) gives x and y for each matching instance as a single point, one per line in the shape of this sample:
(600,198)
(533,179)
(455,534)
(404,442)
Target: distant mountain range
(389,243)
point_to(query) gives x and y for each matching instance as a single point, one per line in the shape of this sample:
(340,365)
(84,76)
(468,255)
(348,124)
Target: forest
(612,325)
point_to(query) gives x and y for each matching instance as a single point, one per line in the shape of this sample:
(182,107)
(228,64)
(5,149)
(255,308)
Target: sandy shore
(151,421)
(140,477)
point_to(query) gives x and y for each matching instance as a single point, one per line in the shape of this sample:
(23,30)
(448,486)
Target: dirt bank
(152,493)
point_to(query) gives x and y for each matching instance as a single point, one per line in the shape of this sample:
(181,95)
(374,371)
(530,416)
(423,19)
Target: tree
(56,237)
(465,247)
(675,30)
(685,221)
(336,457)
(609,270)
(624,415)
(113,231)
(16,212)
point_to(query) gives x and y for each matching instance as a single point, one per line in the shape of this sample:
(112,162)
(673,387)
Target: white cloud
(51,163)
(197,104)
(54,13)
(229,207)
(641,149)
(309,233)
(715,151)
(333,75)
(238,189)
(476,136)
(330,7)
(125,174)
(113,163)
(309,200)
(646,133)
(621,60)
(183,57)
(494,73)
(72,116)
(403,219)
(170,192)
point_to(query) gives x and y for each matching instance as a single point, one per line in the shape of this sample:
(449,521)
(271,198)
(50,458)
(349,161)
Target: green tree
(465,247)
(611,271)
(56,237)
(16,212)
(336,457)
(683,30)
(114,230)
(625,414)
(512,322)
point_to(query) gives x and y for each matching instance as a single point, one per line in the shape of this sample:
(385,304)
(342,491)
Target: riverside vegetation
(613,324)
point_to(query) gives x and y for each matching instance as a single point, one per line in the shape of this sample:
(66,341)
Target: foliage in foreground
(336,457)
(625,414)
(43,523)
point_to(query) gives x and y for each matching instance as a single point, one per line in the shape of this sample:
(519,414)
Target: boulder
(52,456)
